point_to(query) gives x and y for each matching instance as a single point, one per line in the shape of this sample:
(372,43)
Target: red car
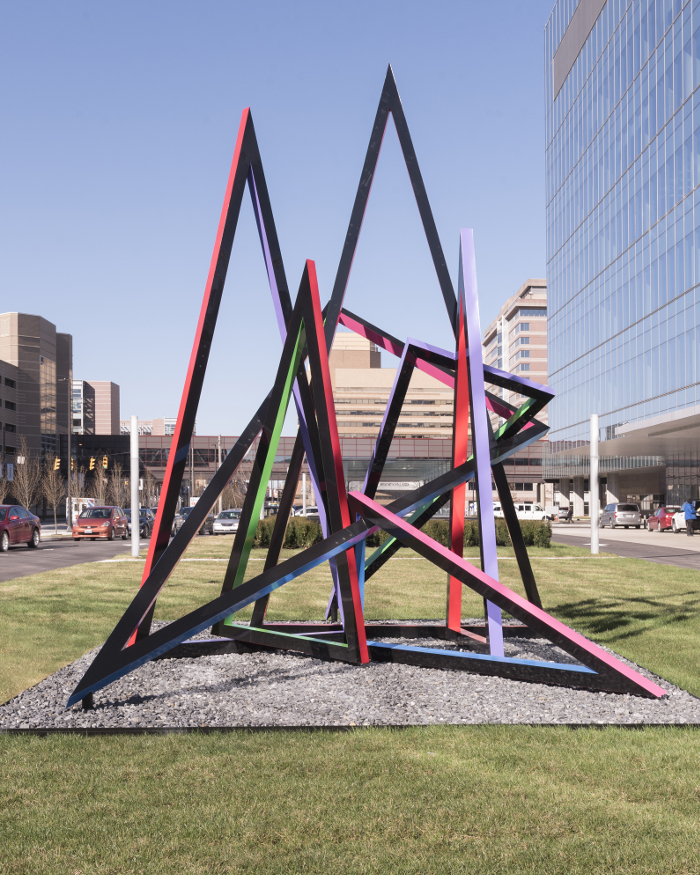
(18,526)
(662,519)
(105,523)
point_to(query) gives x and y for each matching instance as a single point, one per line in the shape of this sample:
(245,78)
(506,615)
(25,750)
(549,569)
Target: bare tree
(27,482)
(151,489)
(4,486)
(99,485)
(234,493)
(53,488)
(118,490)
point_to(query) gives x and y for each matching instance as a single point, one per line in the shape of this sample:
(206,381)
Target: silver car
(621,515)
(227,521)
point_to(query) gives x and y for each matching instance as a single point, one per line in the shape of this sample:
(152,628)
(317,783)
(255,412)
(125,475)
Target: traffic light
(72,465)
(92,463)
(104,462)
(56,463)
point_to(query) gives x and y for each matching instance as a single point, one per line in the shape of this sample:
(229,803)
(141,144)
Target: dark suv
(207,526)
(18,526)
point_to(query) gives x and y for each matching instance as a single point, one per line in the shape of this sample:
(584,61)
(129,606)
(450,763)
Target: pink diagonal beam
(539,621)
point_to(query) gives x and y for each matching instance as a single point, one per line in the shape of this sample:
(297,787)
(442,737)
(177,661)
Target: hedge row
(302,532)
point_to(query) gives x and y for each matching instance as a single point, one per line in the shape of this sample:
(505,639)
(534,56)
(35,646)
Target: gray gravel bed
(284,689)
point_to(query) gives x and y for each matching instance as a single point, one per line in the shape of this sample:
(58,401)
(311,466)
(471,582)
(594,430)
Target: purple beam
(469,309)
(310,459)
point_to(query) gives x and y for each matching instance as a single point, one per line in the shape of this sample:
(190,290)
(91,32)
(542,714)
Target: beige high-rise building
(361,389)
(95,407)
(516,341)
(36,368)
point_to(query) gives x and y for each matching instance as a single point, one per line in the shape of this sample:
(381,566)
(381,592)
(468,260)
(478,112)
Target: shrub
(302,532)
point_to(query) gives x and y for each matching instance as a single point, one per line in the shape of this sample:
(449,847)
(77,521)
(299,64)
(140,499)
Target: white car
(226,523)
(678,521)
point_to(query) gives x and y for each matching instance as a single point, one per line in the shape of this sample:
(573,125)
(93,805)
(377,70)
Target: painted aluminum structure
(347,519)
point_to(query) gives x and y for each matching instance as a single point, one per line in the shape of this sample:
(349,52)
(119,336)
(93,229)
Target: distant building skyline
(361,389)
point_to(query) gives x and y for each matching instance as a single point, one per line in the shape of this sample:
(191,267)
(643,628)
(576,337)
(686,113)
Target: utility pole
(134,477)
(593,489)
(69,509)
(191,469)
(218,465)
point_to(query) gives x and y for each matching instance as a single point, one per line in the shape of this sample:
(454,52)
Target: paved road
(21,561)
(663,549)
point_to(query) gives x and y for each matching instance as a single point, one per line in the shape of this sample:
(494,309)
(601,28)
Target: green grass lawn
(430,800)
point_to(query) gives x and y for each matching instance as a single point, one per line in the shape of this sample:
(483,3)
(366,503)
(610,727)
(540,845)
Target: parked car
(106,523)
(18,526)
(227,521)
(146,522)
(662,519)
(620,515)
(207,526)
(311,512)
(678,524)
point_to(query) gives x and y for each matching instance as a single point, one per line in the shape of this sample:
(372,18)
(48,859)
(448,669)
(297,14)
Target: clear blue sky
(118,127)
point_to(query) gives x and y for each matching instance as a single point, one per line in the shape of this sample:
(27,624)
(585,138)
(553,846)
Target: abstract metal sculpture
(307,334)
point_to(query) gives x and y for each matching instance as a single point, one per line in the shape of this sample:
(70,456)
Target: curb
(213,730)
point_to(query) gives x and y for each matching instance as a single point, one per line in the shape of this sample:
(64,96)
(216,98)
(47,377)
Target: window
(521,341)
(9,382)
(9,427)
(523,367)
(10,405)
(523,487)
(530,311)
(523,354)
(521,326)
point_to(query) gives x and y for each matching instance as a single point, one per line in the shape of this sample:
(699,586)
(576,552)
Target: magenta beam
(540,621)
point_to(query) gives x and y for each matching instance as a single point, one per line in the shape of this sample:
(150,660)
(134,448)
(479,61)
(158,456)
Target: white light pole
(134,477)
(303,493)
(593,489)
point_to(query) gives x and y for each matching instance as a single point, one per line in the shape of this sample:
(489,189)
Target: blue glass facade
(623,218)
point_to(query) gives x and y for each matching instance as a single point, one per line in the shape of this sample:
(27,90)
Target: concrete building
(36,365)
(623,246)
(361,388)
(516,341)
(95,407)
(163,426)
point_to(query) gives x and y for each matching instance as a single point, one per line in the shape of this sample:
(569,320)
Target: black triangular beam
(389,102)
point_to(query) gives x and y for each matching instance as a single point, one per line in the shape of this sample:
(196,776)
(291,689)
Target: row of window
(605,73)
(527,312)
(631,209)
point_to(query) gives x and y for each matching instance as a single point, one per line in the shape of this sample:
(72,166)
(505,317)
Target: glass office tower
(623,238)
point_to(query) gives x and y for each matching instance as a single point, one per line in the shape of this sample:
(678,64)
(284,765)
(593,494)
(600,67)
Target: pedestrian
(690,518)
(568,516)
